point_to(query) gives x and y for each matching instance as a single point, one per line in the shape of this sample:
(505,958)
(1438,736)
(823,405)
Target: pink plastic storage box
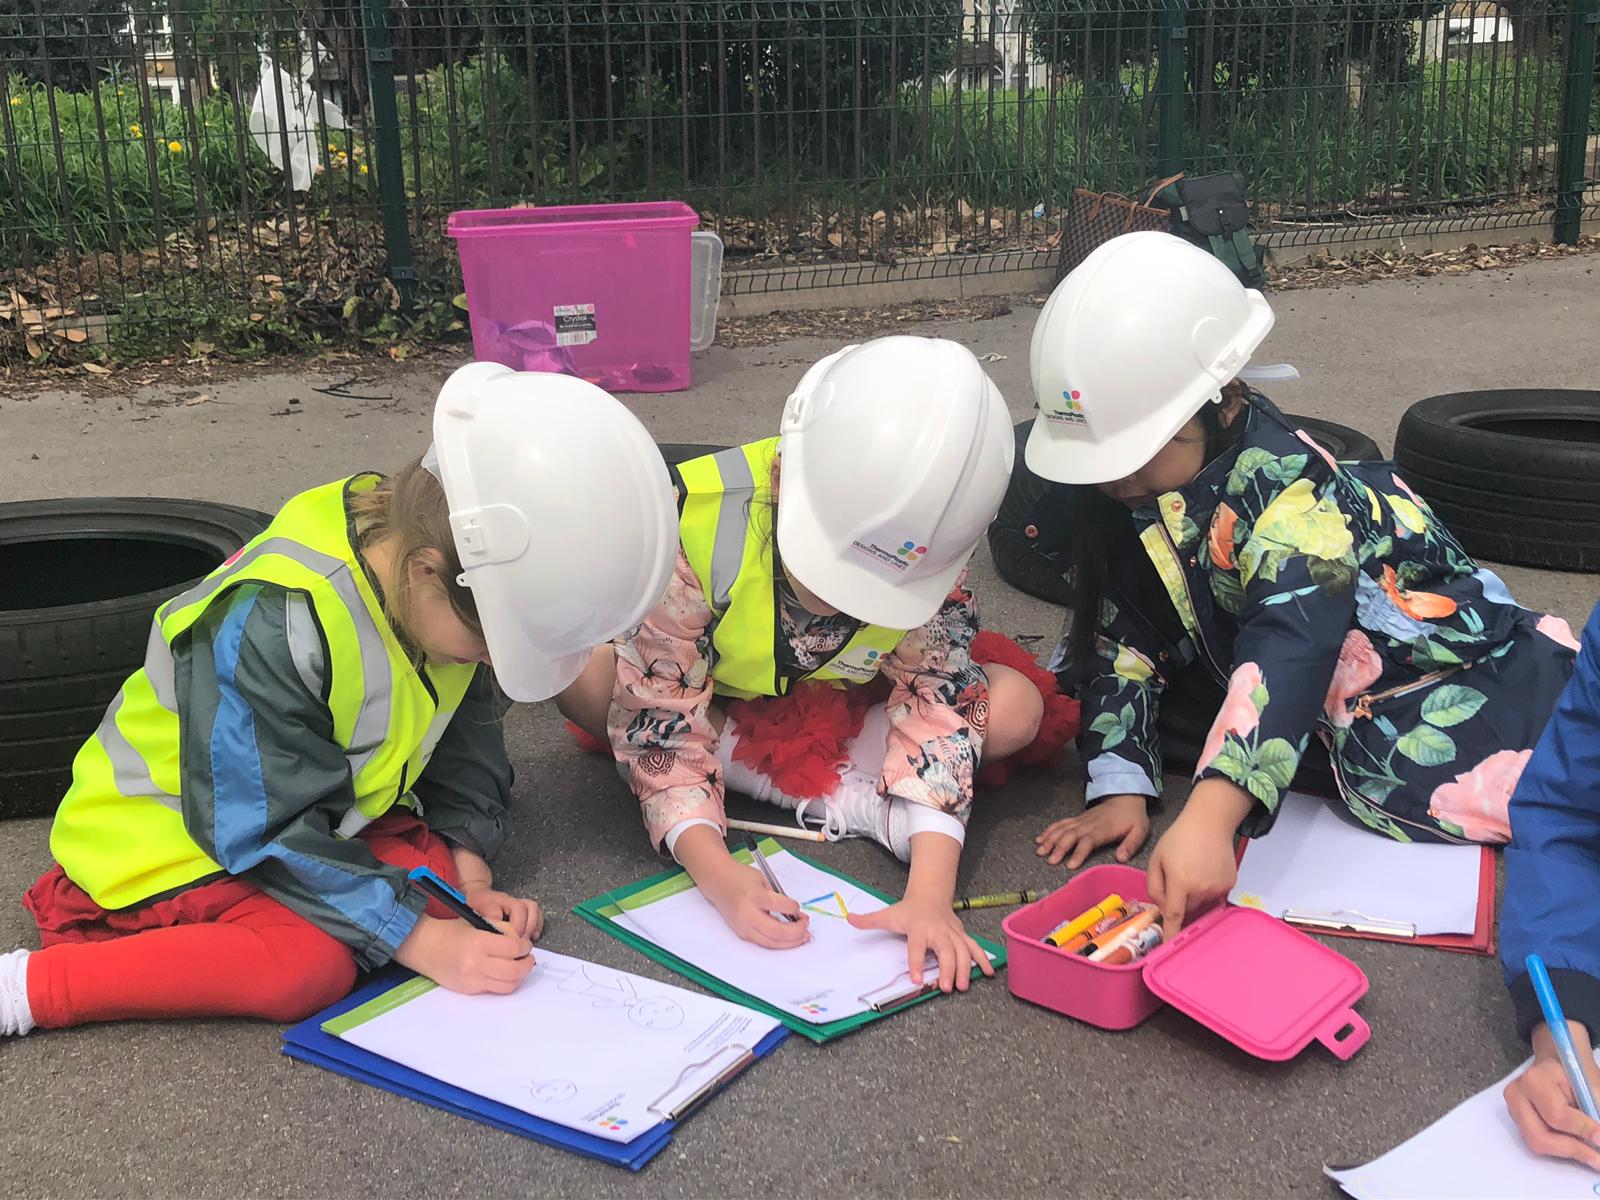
(1266,987)
(600,291)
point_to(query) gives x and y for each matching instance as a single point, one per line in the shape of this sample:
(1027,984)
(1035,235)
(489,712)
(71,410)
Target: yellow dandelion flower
(175,147)
(135,130)
(332,149)
(363,168)
(15,101)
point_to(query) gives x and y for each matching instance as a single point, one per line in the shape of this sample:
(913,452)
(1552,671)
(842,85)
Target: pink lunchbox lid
(498,222)
(1265,986)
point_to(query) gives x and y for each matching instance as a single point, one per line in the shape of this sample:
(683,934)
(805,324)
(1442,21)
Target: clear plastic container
(600,291)
(705,288)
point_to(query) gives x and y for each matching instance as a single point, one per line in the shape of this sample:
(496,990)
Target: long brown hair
(409,509)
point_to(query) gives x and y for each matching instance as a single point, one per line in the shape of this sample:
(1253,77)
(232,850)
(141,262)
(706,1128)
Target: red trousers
(223,949)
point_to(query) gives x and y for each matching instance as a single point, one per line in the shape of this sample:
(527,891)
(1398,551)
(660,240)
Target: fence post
(386,146)
(1171,65)
(1572,143)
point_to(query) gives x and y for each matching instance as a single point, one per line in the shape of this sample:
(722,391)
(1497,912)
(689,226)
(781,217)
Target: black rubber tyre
(1023,559)
(83,579)
(1344,443)
(1513,473)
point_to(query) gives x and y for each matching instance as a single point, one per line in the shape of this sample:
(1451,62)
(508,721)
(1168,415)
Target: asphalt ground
(983,1095)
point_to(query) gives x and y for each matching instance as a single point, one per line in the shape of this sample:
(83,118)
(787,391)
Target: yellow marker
(843,911)
(1071,929)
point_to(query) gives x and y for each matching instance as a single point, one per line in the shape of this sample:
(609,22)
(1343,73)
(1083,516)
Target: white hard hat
(1135,341)
(564,517)
(895,456)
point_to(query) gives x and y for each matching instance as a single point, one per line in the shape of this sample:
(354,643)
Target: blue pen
(1557,1021)
(446,895)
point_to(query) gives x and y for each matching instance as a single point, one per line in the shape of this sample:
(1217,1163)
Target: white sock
(15,1015)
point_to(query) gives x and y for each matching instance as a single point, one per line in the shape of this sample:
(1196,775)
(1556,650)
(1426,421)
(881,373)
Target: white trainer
(857,810)
(15,1015)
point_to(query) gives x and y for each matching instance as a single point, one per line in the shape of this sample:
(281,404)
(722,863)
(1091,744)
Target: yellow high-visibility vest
(727,535)
(119,833)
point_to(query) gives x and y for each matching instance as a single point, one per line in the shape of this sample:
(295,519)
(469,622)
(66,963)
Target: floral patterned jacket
(1328,598)
(665,744)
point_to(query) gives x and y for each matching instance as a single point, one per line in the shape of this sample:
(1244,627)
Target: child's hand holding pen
(1542,1104)
(465,959)
(522,917)
(473,954)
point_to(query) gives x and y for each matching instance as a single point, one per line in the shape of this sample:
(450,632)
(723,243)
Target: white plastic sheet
(287,118)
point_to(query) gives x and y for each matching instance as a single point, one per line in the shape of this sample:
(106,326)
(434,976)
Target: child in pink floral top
(818,653)
(931,727)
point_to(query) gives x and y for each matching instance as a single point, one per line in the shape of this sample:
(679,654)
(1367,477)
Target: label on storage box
(575,324)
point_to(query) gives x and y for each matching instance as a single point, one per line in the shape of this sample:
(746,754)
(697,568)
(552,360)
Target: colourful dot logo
(872,656)
(612,1124)
(1069,400)
(812,1010)
(911,552)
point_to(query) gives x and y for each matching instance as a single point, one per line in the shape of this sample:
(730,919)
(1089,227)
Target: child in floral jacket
(1326,596)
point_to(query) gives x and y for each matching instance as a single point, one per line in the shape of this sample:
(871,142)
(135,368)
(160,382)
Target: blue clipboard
(308,1043)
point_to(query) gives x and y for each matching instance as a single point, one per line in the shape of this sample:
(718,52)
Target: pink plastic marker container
(1266,987)
(601,291)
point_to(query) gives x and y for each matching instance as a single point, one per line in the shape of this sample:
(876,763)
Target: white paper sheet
(1314,860)
(821,981)
(1472,1153)
(579,1044)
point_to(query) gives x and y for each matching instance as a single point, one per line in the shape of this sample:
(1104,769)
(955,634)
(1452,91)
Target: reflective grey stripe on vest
(129,772)
(305,644)
(727,548)
(372,722)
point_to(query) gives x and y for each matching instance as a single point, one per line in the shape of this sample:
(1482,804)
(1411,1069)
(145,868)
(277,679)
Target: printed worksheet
(841,972)
(597,1050)
(1473,1152)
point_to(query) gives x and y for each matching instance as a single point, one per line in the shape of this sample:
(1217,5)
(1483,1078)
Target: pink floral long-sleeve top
(665,744)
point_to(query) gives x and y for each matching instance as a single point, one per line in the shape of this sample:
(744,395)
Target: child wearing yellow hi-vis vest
(316,718)
(816,646)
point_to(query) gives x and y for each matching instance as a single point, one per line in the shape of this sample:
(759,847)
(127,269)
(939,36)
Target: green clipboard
(601,910)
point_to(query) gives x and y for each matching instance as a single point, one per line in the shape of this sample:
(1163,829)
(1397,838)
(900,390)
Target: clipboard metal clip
(1349,920)
(900,991)
(671,1106)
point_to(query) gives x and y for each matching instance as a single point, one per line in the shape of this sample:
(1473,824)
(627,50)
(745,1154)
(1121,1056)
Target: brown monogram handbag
(1098,217)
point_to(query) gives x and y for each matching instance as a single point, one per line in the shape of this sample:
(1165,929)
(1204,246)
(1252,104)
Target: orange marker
(1071,929)
(1104,925)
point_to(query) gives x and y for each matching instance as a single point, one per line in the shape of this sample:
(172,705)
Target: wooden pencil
(783,831)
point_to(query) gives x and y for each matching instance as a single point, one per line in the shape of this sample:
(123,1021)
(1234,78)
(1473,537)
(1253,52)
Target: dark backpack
(1210,211)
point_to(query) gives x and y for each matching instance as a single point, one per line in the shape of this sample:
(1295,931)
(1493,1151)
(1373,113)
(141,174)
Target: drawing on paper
(829,904)
(617,991)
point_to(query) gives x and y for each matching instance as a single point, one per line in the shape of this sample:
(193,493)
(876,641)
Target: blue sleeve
(264,785)
(1552,898)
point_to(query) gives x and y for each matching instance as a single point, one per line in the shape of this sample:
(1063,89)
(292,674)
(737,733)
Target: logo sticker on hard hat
(1070,409)
(901,557)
